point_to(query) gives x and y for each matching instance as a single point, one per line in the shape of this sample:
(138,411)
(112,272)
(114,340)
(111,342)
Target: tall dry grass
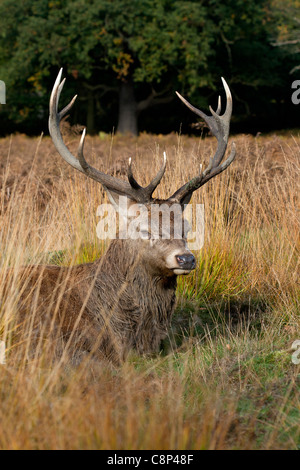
(225,379)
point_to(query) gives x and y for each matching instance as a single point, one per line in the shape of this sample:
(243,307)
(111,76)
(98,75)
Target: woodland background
(126,58)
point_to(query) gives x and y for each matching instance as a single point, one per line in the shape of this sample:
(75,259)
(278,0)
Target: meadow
(224,378)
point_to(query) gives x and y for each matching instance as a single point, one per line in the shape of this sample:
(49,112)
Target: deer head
(164,251)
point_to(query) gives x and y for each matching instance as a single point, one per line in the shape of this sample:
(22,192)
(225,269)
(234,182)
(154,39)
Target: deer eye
(145,235)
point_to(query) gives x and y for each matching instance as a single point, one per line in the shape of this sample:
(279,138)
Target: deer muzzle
(187,262)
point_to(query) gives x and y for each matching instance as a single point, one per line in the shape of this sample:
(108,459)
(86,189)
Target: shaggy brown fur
(120,302)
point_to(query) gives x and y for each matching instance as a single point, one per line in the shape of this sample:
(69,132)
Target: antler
(219,127)
(131,188)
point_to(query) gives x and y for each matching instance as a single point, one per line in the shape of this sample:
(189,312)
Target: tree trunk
(127,123)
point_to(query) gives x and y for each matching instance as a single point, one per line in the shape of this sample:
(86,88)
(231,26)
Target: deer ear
(120,202)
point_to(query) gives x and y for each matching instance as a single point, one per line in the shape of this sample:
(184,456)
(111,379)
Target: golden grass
(225,380)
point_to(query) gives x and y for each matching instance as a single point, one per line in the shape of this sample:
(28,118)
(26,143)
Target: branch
(104,88)
(286,43)
(154,99)
(227,43)
(294,69)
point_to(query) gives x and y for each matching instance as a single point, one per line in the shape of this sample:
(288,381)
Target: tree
(109,46)
(286,32)
(156,43)
(138,52)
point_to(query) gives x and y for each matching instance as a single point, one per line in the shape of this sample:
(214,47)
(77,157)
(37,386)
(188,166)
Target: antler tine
(110,183)
(81,158)
(54,120)
(156,180)
(134,184)
(191,107)
(219,106)
(228,110)
(148,190)
(219,126)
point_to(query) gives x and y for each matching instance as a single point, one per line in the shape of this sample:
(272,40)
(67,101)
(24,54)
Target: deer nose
(186,261)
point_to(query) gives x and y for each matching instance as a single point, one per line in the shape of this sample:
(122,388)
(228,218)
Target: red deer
(125,299)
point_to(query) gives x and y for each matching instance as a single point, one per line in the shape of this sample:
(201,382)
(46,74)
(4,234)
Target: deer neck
(142,304)
(130,272)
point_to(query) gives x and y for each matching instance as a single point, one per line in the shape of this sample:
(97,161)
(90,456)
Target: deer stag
(125,299)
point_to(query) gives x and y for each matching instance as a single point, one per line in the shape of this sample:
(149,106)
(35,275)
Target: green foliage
(286,21)
(155,43)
